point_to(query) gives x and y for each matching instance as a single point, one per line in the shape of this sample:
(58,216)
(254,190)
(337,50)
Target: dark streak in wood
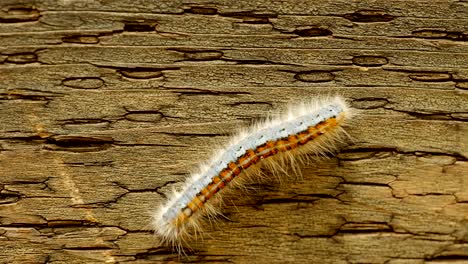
(199,10)
(369,16)
(313,32)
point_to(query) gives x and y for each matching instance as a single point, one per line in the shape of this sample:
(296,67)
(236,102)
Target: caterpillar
(312,127)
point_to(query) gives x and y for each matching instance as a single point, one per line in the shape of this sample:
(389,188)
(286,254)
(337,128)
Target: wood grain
(106,107)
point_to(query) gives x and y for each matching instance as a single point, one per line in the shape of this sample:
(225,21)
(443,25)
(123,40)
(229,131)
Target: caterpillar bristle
(282,145)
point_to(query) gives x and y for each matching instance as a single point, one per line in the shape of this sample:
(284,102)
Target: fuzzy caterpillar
(312,127)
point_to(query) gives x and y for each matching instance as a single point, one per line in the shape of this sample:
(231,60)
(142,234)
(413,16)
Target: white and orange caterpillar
(310,128)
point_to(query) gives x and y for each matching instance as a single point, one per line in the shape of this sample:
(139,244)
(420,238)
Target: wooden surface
(106,106)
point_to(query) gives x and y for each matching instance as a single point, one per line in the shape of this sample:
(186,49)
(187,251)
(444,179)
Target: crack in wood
(81,39)
(9,197)
(201,10)
(22,58)
(83,82)
(373,150)
(236,104)
(251,17)
(440,34)
(30,95)
(142,73)
(79,143)
(431,77)
(79,121)
(20,15)
(369,16)
(140,26)
(313,32)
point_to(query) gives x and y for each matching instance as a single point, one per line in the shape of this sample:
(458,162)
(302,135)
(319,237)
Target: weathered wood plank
(304,25)
(416,8)
(106,107)
(205,78)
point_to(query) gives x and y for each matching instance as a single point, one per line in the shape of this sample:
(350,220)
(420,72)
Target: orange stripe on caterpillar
(244,162)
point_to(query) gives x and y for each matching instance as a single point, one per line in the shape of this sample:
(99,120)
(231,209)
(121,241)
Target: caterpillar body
(309,128)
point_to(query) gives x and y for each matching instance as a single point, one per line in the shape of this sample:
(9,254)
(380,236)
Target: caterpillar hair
(313,127)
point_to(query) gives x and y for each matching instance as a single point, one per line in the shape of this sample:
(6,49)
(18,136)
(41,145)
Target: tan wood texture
(106,106)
